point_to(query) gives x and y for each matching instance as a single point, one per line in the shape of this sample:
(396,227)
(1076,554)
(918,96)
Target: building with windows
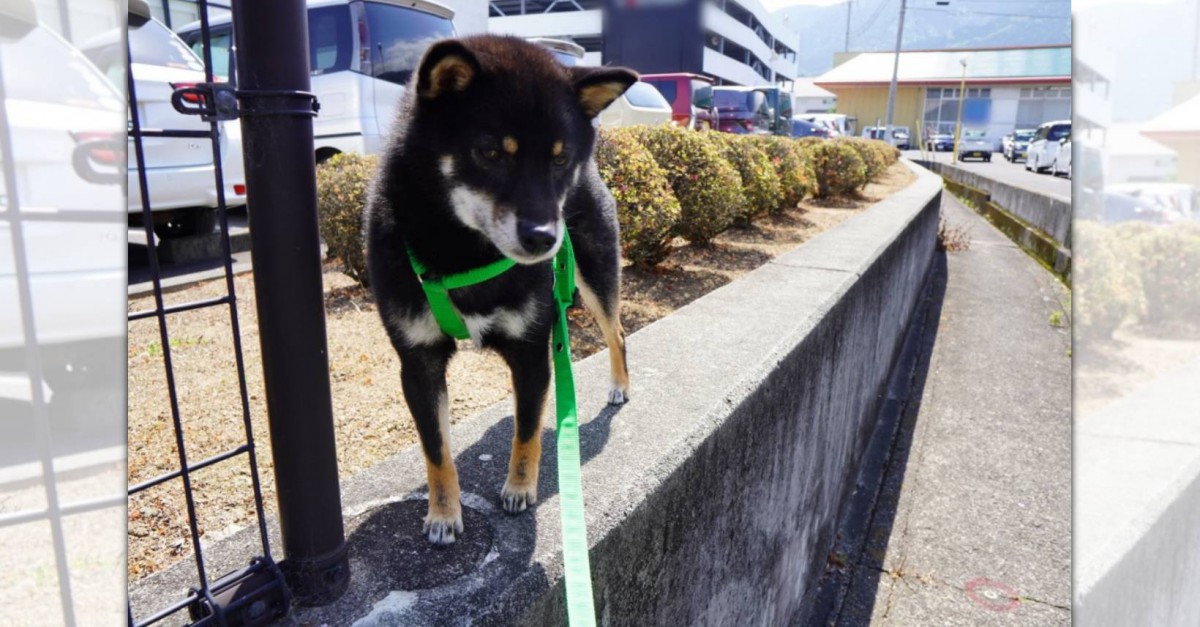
(737,42)
(1006,88)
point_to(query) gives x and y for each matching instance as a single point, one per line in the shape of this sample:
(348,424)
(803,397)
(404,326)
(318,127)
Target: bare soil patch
(371,418)
(1106,371)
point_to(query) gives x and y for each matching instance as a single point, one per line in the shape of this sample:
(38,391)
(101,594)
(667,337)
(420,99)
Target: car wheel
(185,222)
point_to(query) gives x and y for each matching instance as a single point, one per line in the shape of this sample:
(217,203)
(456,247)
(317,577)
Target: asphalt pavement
(966,519)
(1005,172)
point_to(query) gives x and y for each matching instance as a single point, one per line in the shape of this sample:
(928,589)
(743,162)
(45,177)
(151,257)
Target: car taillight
(239,189)
(101,146)
(189,96)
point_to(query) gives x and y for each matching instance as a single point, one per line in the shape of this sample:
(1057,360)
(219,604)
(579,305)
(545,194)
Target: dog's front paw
(516,497)
(617,396)
(442,527)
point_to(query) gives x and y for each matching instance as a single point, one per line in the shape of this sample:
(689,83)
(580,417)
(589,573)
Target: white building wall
(722,66)
(723,24)
(571,24)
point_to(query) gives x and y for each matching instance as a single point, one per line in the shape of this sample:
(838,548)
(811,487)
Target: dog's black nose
(536,238)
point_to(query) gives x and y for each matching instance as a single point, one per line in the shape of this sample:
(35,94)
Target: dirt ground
(371,418)
(1106,371)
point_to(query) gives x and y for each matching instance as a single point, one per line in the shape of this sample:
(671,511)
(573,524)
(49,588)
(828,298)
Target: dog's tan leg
(609,319)
(520,489)
(530,365)
(444,518)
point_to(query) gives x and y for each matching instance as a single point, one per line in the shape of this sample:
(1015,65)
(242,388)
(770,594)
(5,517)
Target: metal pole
(891,106)
(962,101)
(277,135)
(849,4)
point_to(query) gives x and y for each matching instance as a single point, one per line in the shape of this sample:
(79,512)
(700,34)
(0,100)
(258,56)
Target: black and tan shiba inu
(491,157)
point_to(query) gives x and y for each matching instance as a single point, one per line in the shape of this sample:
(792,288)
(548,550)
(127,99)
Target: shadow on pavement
(849,588)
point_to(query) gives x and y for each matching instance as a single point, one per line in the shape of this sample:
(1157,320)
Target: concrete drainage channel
(1039,224)
(713,496)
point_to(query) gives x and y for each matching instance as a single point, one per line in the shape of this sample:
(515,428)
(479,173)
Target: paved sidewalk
(972,525)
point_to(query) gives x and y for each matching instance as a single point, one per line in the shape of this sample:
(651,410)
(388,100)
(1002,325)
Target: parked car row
(901,137)
(1050,149)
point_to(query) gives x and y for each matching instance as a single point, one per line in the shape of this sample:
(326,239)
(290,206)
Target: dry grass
(953,237)
(369,411)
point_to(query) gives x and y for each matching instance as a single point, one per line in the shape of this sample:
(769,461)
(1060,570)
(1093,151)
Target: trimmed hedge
(871,152)
(1106,287)
(1168,262)
(1135,269)
(760,181)
(707,186)
(647,209)
(669,181)
(839,169)
(795,170)
(342,184)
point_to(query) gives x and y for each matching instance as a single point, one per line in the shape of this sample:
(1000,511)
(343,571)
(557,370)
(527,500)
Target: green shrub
(760,181)
(871,152)
(342,184)
(795,172)
(1107,290)
(1168,264)
(647,209)
(839,170)
(708,187)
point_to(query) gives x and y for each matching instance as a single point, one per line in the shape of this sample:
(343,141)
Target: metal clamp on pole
(277,141)
(278,102)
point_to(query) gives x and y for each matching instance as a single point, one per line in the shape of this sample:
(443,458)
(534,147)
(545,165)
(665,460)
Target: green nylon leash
(577,569)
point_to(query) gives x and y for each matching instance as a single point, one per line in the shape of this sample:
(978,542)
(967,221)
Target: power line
(871,20)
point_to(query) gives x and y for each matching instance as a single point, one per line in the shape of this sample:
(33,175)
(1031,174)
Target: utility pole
(891,104)
(849,5)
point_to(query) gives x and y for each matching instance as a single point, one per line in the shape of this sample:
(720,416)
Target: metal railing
(315,569)
(203,603)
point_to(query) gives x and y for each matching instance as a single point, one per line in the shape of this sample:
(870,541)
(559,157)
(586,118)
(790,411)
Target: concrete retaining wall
(712,496)
(1137,507)
(1051,215)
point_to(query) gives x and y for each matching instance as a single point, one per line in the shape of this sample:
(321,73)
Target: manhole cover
(389,538)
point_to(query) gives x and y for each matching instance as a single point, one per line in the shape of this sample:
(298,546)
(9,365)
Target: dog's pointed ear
(448,66)
(597,87)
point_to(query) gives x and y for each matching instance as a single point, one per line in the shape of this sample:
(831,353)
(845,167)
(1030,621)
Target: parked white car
(66,130)
(361,54)
(1062,160)
(1043,148)
(640,104)
(180,175)
(837,123)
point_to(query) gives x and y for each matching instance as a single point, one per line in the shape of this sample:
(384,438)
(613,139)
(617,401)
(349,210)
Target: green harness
(576,567)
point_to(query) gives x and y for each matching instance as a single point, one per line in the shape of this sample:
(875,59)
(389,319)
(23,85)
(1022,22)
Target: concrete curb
(1040,245)
(712,496)
(1049,214)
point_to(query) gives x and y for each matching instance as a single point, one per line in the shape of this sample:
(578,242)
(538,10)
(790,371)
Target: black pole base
(318,581)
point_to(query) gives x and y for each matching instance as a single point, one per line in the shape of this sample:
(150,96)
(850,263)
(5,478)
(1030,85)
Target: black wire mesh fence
(276,120)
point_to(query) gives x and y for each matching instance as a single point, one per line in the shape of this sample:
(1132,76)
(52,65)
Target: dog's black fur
(490,155)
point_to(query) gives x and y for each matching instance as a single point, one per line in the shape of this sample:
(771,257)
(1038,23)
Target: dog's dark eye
(489,154)
(561,161)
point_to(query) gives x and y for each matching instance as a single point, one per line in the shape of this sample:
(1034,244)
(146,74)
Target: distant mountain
(962,24)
